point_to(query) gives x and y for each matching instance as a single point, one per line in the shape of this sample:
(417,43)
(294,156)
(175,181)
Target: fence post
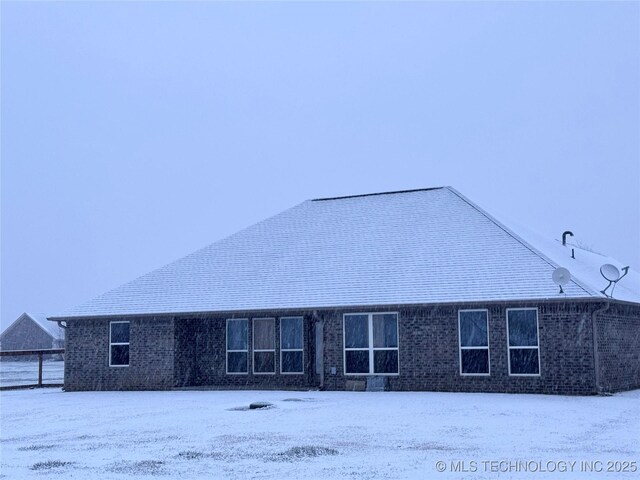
(40,353)
(40,369)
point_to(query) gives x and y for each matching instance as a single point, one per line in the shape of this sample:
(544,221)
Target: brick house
(411,290)
(31,331)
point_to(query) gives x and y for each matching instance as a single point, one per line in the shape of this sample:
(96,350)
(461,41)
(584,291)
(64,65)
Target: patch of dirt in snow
(159,439)
(235,439)
(50,464)
(360,472)
(191,455)
(24,438)
(231,455)
(234,456)
(304,452)
(34,448)
(143,467)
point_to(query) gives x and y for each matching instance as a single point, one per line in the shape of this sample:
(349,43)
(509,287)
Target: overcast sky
(133,134)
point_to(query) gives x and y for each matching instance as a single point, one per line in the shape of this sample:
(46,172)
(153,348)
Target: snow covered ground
(26,373)
(48,433)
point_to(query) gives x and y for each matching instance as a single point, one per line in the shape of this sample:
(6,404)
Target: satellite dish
(561,276)
(610,272)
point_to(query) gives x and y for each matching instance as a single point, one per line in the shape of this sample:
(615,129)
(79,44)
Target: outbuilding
(31,331)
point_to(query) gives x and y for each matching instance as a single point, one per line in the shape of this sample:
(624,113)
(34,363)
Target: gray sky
(135,133)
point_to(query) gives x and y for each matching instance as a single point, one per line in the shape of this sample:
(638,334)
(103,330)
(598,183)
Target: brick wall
(200,356)
(618,332)
(191,352)
(150,356)
(429,358)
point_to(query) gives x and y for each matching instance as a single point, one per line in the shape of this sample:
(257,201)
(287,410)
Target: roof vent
(564,242)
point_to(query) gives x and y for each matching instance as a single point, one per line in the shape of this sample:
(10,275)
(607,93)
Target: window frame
(460,347)
(262,350)
(226,345)
(111,344)
(371,349)
(509,347)
(301,318)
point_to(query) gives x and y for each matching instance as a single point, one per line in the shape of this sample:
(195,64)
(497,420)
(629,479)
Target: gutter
(351,307)
(596,358)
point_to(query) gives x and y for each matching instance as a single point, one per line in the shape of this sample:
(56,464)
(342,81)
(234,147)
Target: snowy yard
(26,373)
(48,433)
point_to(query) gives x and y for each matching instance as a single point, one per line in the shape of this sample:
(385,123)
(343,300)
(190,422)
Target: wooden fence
(40,353)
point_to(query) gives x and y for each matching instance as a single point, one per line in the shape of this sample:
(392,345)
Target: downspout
(596,359)
(319,348)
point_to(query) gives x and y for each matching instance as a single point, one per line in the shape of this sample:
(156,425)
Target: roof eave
(351,307)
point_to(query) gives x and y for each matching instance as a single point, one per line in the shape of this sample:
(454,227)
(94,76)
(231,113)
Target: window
(291,349)
(522,333)
(473,330)
(119,344)
(264,345)
(371,343)
(238,346)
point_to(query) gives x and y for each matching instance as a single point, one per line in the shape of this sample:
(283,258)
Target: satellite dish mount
(612,275)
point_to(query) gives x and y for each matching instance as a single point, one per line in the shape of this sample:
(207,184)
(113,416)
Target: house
(410,290)
(31,331)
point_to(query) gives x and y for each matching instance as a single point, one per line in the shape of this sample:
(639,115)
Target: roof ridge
(522,241)
(377,193)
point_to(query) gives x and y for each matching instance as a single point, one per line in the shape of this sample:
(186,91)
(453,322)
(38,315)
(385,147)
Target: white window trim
(263,350)
(226,345)
(370,349)
(509,347)
(292,349)
(487,348)
(128,344)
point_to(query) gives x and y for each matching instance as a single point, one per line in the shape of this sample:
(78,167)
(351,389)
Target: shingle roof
(410,247)
(584,265)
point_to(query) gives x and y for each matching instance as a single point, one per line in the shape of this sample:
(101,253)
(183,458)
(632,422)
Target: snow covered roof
(411,247)
(51,327)
(40,319)
(584,265)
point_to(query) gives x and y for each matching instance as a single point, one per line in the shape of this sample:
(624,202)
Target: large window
(291,345)
(473,329)
(522,333)
(264,345)
(238,346)
(119,344)
(371,344)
